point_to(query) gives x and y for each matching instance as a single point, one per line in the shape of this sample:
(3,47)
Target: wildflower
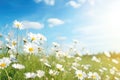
(18,24)
(56,44)
(41,38)
(75,41)
(95,59)
(115,61)
(107,54)
(18,66)
(48,65)
(14,43)
(60,54)
(86,67)
(30,48)
(94,76)
(53,72)
(32,37)
(13,58)
(75,64)
(30,75)
(80,74)
(4,62)
(40,73)
(59,67)
(113,70)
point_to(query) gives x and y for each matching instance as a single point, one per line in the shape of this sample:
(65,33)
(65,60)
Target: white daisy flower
(107,54)
(13,58)
(40,73)
(31,48)
(115,61)
(59,67)
(4,62)
(18,24)
(94,76)
(18,66)
(32,37)
(41,38)
(48,65)
(80,74)
(94,58)
(56,44)
(30,75)
(53,72)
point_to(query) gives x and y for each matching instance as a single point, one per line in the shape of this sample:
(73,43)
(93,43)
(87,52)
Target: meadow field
(27,58)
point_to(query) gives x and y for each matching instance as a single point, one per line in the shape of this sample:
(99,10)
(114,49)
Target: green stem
(7,74)
(17,43)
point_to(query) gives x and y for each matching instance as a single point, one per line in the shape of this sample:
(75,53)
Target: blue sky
(95,23)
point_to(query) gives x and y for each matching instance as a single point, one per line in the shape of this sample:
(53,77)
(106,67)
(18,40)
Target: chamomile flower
(53,72)
(59,67)
(48,65)
(32,37)
(31,48)
(94,76)
(30,75)
(18,66)
(40,73)
(13,58)
(41,37)
(56,44)
(4,62)
(80,74)
(18,24)
(13,43)
(94,58)
(107,54)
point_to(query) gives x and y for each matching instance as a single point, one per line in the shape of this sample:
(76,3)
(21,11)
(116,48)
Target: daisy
(48,65)
(94,58)
(56,44)
(13,43)
(80,74)
(32,37)
(4,62)
(53,72)
(18,24)
(30,48)
(40,73)
(18,66)
(107,54)
(94,76)
(30,75)
(41,37)
(13,58)
(115,61)
(59,67)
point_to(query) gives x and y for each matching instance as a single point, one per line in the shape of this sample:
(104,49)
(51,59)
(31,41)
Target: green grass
(32,63)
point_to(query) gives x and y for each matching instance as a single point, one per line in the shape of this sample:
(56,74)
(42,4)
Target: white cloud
(91,2)
(37,1)
(55,22)
(48,2)
(32,25)
(74,4)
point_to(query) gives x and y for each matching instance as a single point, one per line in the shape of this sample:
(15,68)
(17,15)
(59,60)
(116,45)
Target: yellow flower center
(93,77)
(33,38)
(80,75)
(2,65)
(13,43)
(31,49)
(18,25)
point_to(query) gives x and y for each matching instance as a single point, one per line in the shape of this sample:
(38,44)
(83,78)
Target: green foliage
(32,63)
